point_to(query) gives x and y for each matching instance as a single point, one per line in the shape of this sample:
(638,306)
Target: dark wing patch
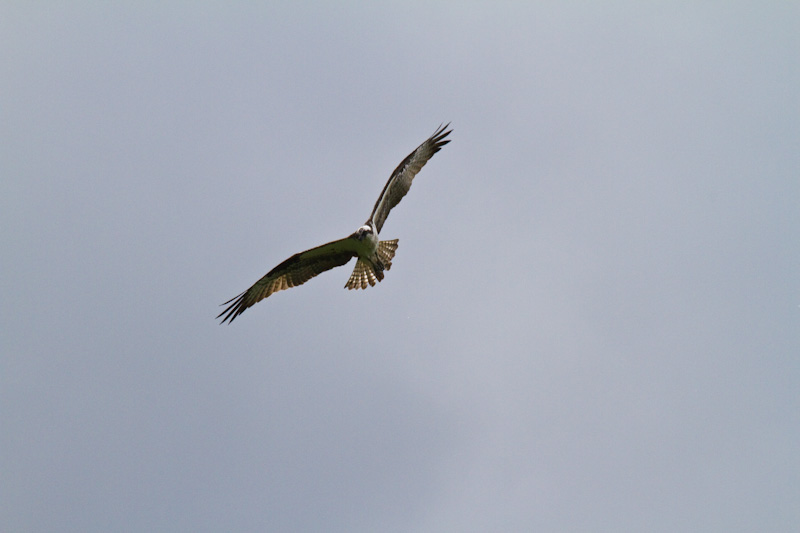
(293,272)
(400,181)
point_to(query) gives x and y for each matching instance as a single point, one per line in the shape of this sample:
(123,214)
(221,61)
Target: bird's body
(373,255)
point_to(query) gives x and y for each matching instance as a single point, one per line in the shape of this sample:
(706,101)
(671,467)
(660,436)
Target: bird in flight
(373,255)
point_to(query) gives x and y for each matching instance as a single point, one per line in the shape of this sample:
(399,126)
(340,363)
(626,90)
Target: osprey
(374,256)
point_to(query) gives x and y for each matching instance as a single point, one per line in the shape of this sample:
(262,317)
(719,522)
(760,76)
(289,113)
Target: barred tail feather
(365,273)
(386,251)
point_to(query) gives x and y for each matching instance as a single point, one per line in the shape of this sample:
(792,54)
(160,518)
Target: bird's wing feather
(400,181)
(294,271)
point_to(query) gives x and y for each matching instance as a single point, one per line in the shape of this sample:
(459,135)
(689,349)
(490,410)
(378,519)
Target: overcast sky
(592,322)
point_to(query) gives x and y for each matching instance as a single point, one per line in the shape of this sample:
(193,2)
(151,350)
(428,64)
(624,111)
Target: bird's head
(362,232)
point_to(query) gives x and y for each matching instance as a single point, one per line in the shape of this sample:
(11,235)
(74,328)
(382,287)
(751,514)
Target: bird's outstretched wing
(293,272)
(400,181)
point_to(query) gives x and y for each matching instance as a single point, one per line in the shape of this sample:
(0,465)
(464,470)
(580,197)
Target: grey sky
(591,323)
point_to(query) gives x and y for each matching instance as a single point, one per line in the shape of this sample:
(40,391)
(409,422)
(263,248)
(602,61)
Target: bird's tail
(367,273)
(386,251)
